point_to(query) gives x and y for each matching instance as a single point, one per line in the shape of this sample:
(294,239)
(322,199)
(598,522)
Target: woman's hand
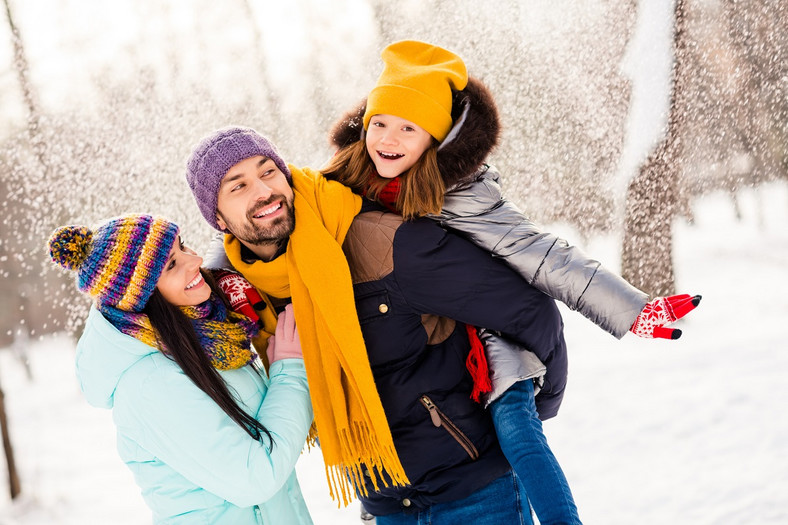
(285,343)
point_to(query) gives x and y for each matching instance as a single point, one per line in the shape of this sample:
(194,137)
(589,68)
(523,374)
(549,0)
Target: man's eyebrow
(230,178)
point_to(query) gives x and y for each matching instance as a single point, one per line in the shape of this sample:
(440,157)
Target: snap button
(383,308)
(366,473)
(406,502)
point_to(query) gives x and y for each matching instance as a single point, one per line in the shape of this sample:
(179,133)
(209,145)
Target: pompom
(69,246)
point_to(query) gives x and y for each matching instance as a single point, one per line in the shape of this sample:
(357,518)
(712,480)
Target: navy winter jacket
(415,284)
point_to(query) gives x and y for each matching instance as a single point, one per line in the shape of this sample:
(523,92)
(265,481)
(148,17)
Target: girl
(417,146)
(209,436)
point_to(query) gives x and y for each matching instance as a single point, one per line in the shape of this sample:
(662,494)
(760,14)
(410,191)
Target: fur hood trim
(472,138)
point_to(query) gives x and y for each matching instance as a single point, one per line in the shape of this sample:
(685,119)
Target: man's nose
(262,190)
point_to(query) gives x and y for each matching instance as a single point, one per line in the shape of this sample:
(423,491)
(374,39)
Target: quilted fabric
(369,246)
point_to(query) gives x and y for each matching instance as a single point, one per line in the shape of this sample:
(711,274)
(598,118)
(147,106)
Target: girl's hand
(662,311)
(285,343)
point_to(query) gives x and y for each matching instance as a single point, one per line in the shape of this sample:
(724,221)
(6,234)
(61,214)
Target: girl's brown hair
(422,188)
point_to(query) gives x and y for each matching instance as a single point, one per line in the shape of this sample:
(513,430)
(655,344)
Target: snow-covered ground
(651,432)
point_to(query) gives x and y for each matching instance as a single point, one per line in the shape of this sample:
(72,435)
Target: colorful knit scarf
(224,335)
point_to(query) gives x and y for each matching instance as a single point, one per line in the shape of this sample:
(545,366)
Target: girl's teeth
(390,155)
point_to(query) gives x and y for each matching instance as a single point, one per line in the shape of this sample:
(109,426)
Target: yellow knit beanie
(416,84)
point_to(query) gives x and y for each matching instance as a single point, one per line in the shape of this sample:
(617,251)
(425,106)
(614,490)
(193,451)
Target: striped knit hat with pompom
(119,262)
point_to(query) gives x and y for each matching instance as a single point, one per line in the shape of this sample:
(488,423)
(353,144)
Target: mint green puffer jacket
(192,462)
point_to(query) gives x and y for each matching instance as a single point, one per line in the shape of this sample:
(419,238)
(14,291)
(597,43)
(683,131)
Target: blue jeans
(525,446)
(501,502)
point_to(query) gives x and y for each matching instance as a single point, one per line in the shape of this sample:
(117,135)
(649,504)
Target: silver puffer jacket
(477,210)
(547,262)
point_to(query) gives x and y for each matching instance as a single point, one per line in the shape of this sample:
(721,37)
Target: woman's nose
(195,261)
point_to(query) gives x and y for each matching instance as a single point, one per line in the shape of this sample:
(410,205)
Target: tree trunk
(33,114)
(647,254)
(13,478)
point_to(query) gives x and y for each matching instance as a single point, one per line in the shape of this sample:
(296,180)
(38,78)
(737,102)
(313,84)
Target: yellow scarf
(349,416)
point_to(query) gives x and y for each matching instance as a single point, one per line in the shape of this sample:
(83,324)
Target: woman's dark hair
(177,334)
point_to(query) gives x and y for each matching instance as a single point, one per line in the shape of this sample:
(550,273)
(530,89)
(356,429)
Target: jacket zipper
(439,419)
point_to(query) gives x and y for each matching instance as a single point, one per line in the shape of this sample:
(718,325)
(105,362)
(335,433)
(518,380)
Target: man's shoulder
(377,222)
(369,245)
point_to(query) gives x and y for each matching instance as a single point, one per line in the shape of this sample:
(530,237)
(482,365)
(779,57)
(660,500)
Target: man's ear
(220,222)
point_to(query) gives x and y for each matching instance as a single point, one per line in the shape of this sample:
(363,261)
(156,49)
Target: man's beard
(275,233)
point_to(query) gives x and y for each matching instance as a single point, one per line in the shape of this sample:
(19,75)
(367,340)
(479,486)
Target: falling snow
(102,101)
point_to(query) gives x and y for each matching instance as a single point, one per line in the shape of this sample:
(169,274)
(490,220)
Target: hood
(472,138)
(103,355)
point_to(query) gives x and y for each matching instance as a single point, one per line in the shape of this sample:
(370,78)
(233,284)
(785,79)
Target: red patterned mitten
(243,297)
(650,323)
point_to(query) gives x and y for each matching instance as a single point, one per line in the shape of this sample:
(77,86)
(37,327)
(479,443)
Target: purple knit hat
(217,153)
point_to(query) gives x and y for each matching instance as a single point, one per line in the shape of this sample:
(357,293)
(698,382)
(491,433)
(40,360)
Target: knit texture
(215,155)
(416,84)
(389,195)
(352,427)
(119,262)
(223,334)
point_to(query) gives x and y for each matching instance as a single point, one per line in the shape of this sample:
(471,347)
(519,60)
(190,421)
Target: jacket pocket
(373,305)
(439,419)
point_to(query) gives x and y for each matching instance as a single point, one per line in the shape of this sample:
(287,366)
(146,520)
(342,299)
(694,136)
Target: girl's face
(395,144)
(181,282)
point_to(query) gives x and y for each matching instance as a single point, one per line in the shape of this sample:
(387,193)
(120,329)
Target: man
(393,408)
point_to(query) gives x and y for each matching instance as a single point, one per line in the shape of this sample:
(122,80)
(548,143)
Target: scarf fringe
(380,464)
(353,429)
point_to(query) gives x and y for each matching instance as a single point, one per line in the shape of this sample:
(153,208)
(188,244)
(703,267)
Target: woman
(209,436)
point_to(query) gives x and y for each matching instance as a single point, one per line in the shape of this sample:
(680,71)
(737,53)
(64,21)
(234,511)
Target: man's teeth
(197,280)
(390,156)
(269,211)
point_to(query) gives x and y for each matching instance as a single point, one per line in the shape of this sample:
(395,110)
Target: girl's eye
(171,265)
(267,173)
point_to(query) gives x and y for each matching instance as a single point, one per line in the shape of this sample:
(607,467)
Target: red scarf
(476,363)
